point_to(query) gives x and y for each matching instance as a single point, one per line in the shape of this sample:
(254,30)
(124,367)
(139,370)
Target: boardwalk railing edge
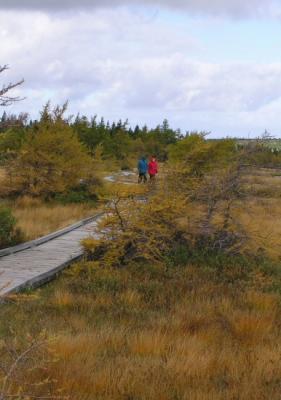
(47,238)
(40,279)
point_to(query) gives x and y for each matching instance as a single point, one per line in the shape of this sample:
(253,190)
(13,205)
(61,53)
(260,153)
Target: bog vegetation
(179,299)
(58,160)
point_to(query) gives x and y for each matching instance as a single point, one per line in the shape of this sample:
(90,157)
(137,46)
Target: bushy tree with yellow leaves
(189,208)
(52,160)
(137,229)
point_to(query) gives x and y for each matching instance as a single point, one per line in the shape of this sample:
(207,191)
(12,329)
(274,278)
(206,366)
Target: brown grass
(130,334)
(263,183)
(2,175)
(259,211)
(158,333)
(261,221)
(36,218)
(200,350)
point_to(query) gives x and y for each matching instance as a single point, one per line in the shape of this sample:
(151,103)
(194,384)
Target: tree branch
(5,99)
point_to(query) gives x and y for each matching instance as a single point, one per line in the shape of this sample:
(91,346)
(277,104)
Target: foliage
(51,160)
(260,152)
(166,296)
(197,155)
(192,212)
(9,234)
(11,142)
(77,195)
(120,142)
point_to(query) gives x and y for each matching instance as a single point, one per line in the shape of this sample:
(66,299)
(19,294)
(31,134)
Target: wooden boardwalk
(36,265)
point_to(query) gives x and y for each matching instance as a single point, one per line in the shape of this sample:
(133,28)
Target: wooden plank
(88,221)
(36,265)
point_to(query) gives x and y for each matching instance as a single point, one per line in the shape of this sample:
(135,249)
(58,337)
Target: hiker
(153,168)
(142,168)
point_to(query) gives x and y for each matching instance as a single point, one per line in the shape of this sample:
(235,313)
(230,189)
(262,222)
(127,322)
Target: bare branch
(5,99)
(15,364)
(117,211)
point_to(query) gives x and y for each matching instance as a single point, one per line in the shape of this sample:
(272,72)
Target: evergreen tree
(137,132)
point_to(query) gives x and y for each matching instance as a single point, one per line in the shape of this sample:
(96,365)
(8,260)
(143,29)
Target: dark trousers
(142,177)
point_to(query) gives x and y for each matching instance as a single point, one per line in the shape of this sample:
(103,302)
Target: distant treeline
(116,140)
(66,156)
(52,155)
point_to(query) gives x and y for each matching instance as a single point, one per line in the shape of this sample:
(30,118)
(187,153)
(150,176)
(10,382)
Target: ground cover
(179,328)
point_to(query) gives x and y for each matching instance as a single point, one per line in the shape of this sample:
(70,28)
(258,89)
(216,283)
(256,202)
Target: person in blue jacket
(142,168)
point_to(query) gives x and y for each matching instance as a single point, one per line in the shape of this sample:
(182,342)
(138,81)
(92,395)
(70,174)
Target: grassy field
(259,212)
(149,333)
(187,331)
(2,175)
(36,218)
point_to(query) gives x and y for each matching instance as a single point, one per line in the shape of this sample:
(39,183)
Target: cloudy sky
(204,65)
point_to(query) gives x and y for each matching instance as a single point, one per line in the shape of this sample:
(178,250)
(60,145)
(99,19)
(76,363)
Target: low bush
(9,233)
(76,197)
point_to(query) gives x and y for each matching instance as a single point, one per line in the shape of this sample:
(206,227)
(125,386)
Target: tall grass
(180,329)
(2,175)
(36,218)
(260,209)
(152,333)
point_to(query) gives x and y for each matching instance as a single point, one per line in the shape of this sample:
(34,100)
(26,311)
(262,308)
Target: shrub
(52,160)
(77,196)
(9,234)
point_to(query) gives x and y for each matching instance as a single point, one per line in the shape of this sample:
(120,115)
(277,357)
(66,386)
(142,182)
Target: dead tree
(5,98)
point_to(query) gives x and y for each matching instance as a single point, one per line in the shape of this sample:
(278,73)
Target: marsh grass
(260,209)
(2,175)
(152,333)
(204,326)
(263,182)
(36,218)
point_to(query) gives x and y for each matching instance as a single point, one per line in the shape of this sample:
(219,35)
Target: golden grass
(201,350)
(2,175)
(150,333)
(263,183)
(127,338)
(36,218)
(261,220)
(257,212)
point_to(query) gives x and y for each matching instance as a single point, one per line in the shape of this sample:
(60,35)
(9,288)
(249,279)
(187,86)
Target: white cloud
(129,67)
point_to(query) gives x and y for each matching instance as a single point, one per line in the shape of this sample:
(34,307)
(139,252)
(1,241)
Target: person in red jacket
(153,168)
